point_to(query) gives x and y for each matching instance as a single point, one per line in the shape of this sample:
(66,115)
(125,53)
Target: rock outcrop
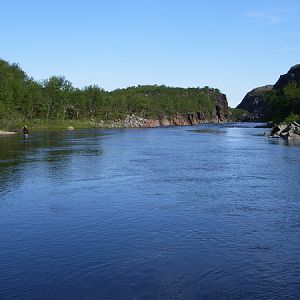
(221,108)
(174,120)
(292,76)
(255,103)
(286,131)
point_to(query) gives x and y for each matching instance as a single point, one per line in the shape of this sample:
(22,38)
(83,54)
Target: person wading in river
(25,131)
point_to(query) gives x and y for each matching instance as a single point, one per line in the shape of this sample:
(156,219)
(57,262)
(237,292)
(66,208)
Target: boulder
(70,128)
(286,131)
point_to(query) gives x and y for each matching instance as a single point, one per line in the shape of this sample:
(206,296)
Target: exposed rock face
(136,121)
(255,103)
(222,110)
(292,76)
(175,120)
(287,132)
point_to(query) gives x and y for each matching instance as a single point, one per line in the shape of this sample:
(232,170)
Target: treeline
(21,97)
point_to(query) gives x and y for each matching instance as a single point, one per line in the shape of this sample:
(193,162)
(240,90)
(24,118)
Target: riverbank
(130,121)
(7,132)
(40,125)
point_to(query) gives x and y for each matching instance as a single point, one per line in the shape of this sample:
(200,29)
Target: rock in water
(286,131)
(70,128)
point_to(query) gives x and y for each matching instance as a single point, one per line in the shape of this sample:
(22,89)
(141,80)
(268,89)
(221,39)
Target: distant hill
(278,102)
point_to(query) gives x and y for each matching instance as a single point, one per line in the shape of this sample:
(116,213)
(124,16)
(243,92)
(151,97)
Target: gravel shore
(6,132)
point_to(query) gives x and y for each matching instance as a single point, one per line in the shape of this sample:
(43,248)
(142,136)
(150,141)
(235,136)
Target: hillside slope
(278,102)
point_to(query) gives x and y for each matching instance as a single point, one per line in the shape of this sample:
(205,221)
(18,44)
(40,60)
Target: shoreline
(130,121)
(2,132)
(110,126)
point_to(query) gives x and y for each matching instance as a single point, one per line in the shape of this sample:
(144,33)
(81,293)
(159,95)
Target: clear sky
(233,45)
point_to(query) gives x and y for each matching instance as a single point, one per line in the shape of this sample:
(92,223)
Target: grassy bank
(37,125)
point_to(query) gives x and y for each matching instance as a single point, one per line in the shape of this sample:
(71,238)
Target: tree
(57,91)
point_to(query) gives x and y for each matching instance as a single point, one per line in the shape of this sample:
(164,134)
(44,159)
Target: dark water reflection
(166,213)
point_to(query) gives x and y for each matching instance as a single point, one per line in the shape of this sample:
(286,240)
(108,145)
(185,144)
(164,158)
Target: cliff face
(221,108)
(257,102)
(174,120)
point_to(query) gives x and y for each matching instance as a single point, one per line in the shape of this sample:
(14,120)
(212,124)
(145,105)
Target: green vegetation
(37,124)
(292,118)
(236,114)
(284,104)
(55,102)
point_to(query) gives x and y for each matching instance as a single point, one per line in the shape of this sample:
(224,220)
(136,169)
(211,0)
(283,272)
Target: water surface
(209,212)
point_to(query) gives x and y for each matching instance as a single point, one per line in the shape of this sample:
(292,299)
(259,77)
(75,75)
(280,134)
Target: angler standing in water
(25,131)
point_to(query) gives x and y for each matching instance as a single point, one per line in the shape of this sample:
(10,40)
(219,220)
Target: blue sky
(234,45)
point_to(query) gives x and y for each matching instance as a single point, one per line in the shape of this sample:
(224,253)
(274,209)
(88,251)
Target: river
(203,212)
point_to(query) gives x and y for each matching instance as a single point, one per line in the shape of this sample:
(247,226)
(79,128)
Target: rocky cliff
(190,119)
(221,112)
(291,77)
(255,102)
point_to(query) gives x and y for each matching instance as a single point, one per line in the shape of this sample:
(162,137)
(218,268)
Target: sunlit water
(205,212)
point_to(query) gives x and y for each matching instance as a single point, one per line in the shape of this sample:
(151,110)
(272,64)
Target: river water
(203,212)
